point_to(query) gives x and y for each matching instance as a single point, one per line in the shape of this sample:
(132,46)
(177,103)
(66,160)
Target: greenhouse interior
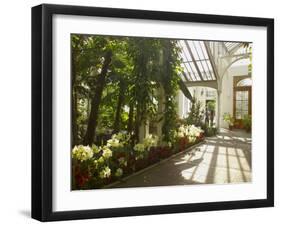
(160,112)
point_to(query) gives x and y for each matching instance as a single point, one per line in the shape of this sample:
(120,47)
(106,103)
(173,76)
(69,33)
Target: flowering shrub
(106,152)
(194,131)
(82,153)
(141,149)
(150,140)
(95,149)
(119,172)
(96,166)
(105,172)
(188,131)
(118,140)
(187,135)
(122,161)
(114,142)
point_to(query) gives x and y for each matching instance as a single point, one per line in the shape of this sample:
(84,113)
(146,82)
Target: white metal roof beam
(235,48)
(209,83)
(208,50)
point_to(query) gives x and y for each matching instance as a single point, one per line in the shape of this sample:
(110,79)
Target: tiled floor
(225,158)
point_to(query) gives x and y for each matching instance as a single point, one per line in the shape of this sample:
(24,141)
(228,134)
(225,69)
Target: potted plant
(229,120)
(247,123)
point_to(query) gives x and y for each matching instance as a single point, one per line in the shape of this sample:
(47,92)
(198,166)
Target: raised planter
(197,143)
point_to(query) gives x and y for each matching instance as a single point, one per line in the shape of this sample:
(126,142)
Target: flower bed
(95,167)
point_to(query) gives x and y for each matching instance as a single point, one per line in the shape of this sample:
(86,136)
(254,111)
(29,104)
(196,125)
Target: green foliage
(96,166)
(211,105)
(247,122)
(138,69)
(228,119)
(169,81)
(209,131)
(196,114)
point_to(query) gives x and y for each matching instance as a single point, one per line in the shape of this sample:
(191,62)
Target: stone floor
(225,158)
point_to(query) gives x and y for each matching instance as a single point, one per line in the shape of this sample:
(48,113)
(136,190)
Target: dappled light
(219,164)
(153,111)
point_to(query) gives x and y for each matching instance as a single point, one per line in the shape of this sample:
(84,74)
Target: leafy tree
(169,80)
(144,53)
(115,82)
(196,115)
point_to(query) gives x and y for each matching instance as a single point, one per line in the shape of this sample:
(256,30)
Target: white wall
(15,112)
(182,105)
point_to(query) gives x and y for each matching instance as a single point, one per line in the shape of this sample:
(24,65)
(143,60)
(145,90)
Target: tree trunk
(121,98)
(74,100)
(95,101)
(131,117)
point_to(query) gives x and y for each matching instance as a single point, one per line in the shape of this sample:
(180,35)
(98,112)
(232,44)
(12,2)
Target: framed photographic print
(145,112)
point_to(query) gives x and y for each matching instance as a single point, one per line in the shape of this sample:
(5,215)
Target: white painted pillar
(219,109)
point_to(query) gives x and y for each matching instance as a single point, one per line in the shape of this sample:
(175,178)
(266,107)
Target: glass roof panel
(213,77)
(207,70)
(194,71)
(199,60)
(230,46)
(196,60)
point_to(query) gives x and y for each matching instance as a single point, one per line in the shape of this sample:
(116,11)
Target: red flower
(80,177)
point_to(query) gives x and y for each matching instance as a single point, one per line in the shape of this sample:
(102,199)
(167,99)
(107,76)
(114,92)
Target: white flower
(169,144)
(182,128)
(119,172)
(139,147)
(189,131)
(114,142)
(105,173)
(106,152)
(82,153)
(180,134)
(95,149)
(119,139)
(122,161)
(191,139)
(119,136)
(100,160)
(150,140)
(194,131)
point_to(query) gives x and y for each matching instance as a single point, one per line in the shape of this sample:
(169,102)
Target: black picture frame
(42,107)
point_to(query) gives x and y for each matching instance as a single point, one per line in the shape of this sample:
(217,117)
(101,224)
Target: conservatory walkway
(225,158)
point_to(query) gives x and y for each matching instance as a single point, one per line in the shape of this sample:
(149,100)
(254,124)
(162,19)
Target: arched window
(244,82)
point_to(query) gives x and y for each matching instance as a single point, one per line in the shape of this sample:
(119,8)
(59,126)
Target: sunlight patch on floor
(198,173)
(216,164)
